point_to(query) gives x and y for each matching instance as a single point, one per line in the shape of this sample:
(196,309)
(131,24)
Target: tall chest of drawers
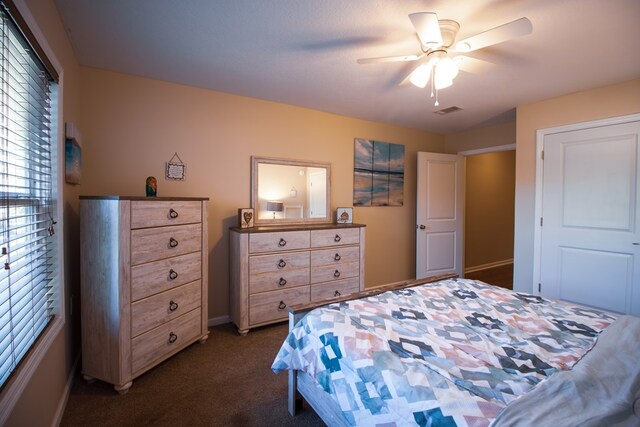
(144,278)
(272,268)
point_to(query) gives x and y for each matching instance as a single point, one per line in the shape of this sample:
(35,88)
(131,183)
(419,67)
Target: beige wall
(490,136)
(609,101)
(133,125)
(489,208)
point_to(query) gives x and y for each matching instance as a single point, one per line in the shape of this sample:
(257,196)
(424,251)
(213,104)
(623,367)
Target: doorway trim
(539,179)
(475,152)
(494,149)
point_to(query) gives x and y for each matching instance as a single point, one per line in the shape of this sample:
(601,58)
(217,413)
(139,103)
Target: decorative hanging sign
(175,169)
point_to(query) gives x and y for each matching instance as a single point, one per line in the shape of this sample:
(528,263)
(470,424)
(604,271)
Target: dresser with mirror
(295,253)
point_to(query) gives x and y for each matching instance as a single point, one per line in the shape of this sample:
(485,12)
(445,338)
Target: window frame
(22,375)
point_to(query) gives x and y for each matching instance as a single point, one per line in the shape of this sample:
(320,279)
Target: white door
(590,236)
(440,214)
(317,194)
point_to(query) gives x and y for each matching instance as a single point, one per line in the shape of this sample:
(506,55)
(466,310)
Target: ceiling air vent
(447,110)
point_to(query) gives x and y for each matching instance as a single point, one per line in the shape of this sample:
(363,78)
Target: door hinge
(541,221)
(542,154)
(539,287)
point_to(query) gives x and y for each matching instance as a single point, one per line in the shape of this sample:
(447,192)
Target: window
(28,243)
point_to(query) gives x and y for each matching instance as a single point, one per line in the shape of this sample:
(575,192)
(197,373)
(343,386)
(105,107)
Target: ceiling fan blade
(427,27)
(502,33)
(402,58)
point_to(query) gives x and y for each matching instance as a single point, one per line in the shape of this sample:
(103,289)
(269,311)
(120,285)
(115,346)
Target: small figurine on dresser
(152,186)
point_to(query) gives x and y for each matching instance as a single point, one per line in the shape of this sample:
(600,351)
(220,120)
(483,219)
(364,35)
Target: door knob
(422,227)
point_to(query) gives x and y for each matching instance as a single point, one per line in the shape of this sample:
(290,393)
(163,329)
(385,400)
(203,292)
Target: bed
(447,351)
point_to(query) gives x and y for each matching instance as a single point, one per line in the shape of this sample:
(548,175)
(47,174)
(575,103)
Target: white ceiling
(304,52)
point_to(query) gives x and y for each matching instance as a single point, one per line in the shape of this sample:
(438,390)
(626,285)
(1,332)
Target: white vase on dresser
(144,278)
(274,267)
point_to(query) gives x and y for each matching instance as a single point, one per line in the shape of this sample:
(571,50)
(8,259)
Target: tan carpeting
(227,381)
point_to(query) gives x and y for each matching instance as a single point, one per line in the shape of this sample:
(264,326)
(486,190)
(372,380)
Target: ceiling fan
(439,57)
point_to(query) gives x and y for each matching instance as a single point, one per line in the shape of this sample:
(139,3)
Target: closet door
(590,237)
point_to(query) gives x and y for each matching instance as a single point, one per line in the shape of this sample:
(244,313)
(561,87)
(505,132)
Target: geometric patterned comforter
(450,353)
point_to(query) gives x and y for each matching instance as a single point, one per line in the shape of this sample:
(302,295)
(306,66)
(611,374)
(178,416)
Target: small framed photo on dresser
(245,217)
(344,215)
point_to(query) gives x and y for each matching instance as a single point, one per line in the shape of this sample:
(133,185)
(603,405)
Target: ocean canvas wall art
(378,173)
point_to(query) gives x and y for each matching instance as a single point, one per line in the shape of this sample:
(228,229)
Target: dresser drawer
(333,237)
(150,312)
(326,273)
(158,276)
(150,244)
(278,241)
(163,340)
(335,256)
(278,280)
(335,289)
(272,306)
(285,261)
(145,214)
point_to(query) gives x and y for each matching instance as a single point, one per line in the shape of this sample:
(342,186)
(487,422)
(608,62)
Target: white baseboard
(487,266)
(67,391)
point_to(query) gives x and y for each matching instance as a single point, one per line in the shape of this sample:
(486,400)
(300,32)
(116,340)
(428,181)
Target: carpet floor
(227,381)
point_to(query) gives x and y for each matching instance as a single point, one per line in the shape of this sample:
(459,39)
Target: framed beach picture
(378,173)
(72,161)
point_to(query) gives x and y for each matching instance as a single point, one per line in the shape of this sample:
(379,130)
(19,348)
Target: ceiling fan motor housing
(449,30)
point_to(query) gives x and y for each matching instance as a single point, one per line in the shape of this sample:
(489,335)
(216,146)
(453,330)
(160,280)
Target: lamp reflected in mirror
(275,206)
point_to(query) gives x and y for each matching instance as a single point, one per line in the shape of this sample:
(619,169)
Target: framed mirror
(287,191)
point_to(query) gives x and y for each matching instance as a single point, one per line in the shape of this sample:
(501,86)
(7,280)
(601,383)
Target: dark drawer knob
(172,274)
(282,282)
(282,243)
(336,273)
(282,305)
(172,338)
(173,306)
(337,238)
(337,257)
(282,264)
(173,243)
(173,214)
(337,294)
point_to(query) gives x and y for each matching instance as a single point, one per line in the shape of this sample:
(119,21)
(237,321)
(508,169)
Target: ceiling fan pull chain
(432,79)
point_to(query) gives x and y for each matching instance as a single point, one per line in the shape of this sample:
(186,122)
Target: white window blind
(27,238)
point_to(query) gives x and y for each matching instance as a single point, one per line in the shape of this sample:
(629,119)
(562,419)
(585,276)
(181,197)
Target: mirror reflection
(290,191)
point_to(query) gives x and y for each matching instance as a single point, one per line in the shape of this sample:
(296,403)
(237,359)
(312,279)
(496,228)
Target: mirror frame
(256,161)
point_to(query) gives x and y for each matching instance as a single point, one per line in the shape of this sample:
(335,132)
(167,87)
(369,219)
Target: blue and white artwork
(72,161)
(378,173)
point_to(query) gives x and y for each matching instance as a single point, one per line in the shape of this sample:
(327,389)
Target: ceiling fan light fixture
(428,29)
(447,68)
(421,75)
(441,82)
